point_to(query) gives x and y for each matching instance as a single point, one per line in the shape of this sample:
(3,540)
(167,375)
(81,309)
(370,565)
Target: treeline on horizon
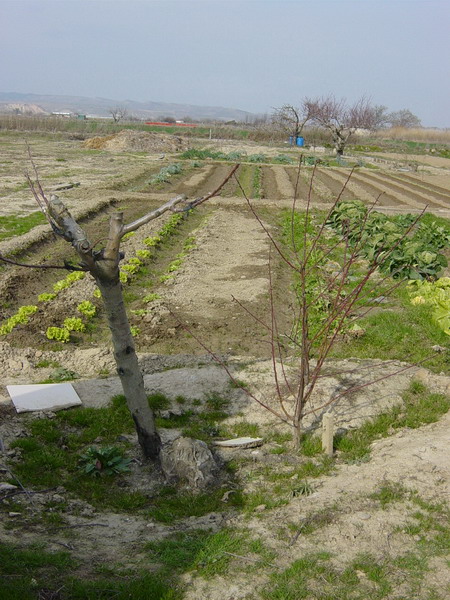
(259,129)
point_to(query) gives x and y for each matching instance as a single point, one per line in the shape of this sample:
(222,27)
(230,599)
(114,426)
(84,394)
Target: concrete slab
(243,442)
(45,396)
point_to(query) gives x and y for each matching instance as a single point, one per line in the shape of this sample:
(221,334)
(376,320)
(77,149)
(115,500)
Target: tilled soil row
(283,182)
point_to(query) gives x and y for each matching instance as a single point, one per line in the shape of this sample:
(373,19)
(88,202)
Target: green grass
(241,429)
(205,552)
(51,453)
(276,486)
(171,505)
(389,492)
(246,180)
(430,527)
(419,407)
(14,226)
(314,577)
(42,364)
(33,574)
(406,333)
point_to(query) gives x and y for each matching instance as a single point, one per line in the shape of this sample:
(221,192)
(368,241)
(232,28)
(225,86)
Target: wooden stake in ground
(327,433)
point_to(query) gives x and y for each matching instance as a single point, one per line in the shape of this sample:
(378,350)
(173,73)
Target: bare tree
(316,330)
(103,265)
(118,113)
(403,118)
(381,117)
(341,119)
(291,119)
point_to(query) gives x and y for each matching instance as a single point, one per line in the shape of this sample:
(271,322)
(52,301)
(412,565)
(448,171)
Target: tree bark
(128,367)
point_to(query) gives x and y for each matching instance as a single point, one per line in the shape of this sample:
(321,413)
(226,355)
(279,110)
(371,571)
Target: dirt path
(230,260)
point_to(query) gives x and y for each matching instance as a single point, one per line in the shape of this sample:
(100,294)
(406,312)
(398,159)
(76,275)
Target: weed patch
(33,573)
(13,226)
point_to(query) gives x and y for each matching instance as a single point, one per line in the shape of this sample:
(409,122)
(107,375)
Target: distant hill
(15,102)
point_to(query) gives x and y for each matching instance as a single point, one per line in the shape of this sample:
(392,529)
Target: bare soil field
(361,526)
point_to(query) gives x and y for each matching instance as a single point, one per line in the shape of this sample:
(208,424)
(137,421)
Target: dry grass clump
(416,134)
(137,141)
(97,143)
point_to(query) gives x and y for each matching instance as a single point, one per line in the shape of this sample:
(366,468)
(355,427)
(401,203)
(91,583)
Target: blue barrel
(300,141)
(291,140)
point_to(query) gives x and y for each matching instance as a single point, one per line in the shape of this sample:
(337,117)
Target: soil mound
(137,141)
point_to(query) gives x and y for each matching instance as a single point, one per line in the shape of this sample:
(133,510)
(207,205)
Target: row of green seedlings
(197,154)
(130,268)
(169,275)
(280,159)
(22,316)
(127,271)
(257,182)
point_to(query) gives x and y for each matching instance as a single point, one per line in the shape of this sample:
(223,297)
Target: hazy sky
(247,54)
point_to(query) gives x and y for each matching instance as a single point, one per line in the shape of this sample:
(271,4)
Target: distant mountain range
(35,103)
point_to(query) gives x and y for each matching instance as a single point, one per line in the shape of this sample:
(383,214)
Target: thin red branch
(275,346)
(264,227)
(219,361)
(367,384)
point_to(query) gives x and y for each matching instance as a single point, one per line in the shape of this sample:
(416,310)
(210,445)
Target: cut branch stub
(68,228)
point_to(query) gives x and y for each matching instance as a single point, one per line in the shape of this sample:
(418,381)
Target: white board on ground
(242,442)
(44,396)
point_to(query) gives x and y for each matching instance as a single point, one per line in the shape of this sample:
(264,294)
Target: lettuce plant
(60,334)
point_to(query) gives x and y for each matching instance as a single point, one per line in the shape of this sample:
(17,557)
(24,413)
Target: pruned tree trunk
(128,367)
(104,267)
(340,141)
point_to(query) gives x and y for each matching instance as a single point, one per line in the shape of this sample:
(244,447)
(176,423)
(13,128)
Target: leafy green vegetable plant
(151,297)
(74,324)
(62,284)
(61,334)
(435,294)
(87,309)
(401,250)
(46,297)
(104,461)
(21,317)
